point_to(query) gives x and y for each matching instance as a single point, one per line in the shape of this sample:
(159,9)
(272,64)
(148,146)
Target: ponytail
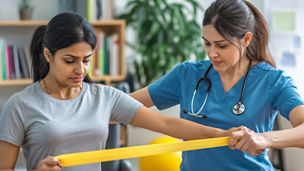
(40,67)
(258,48)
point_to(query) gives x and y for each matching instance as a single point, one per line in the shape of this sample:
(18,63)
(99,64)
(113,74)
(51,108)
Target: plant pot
(26,14)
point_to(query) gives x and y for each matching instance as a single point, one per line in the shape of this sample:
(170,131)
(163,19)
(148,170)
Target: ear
(247,39)
(47,54)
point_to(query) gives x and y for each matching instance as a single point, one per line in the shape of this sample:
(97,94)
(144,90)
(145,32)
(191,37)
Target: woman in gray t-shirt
(62,112)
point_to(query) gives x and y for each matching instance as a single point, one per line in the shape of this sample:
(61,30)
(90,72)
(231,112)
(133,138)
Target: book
(3,60)
(113,58)
(28,59)
(1,77)
(8,62)
(12,63)
(25,72)
(101,58)
(105,55)
(17,63)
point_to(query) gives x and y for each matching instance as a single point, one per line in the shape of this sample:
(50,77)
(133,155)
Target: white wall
(281,41)
(43,9)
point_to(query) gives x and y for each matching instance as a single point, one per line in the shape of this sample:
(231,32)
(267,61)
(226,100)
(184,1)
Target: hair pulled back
(62,31)
(233,19)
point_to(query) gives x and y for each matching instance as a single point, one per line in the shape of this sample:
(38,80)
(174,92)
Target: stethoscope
(237,109)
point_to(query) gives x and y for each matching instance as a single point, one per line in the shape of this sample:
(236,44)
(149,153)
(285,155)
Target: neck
(233,75)
(236,72)
(56,90)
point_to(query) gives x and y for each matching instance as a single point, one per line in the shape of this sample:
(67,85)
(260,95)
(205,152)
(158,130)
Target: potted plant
(165,34)
(25,10)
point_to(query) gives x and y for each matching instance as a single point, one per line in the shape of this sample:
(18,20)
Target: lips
(77,79)
(216,62)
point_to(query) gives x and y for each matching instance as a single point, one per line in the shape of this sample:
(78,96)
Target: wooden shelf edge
(113,22)
(108,79)
(23,23)
(16,82)
(108,22)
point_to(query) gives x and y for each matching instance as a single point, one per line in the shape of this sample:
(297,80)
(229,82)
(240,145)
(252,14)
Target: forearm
(176,127)
(293,137)
(181,128)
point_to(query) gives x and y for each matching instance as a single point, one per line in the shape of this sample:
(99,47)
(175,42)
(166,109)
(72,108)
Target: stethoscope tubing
(203,105)
(237,109)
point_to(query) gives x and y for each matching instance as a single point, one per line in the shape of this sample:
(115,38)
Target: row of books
(15,61)
(105,58)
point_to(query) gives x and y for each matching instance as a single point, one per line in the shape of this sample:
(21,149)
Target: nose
(79,68)
(212,52)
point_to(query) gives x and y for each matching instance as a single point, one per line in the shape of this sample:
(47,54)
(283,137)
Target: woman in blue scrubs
(238,86)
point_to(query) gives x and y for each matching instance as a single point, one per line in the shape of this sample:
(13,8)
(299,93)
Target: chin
(76,84)
(218,68)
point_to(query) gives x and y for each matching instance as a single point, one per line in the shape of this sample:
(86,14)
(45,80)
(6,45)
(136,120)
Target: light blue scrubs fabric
(267,91)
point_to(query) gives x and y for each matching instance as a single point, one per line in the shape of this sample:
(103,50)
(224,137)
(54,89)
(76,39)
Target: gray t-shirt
(44,126)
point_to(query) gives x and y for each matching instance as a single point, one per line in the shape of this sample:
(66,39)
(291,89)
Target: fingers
(257,152)
(235,135)
(242,145)
(247,140)
(50,161)
(49,164)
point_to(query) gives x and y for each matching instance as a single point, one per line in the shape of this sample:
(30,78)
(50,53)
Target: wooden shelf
(107,78)
(16,82)
(107,26)
(43,22)
(108,23)
(22,23)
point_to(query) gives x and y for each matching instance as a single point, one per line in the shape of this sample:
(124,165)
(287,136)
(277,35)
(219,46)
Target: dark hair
(62,31)
(234,18)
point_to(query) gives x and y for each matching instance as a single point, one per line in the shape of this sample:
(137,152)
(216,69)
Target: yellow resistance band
(74,159)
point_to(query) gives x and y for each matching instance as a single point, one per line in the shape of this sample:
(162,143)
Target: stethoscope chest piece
(238,108)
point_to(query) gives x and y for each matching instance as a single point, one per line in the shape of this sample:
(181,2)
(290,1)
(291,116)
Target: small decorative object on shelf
(25,10)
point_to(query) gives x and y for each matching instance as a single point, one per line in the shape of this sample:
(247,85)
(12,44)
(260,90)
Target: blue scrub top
(267,91)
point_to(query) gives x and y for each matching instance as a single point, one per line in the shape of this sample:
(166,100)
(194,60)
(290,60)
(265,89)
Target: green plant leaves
(166,34)
(25,4)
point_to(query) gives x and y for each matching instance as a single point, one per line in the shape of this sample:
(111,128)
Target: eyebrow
(217,41)
(73,56)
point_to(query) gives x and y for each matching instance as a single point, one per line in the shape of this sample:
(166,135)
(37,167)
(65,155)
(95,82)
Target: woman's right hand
(49,164)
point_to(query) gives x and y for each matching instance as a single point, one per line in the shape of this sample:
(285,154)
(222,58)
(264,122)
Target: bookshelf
(26,28)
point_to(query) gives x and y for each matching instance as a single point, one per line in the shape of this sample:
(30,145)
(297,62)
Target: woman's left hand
(249,141)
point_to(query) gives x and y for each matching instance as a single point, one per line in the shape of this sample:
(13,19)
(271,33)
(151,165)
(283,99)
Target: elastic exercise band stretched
(74,159)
